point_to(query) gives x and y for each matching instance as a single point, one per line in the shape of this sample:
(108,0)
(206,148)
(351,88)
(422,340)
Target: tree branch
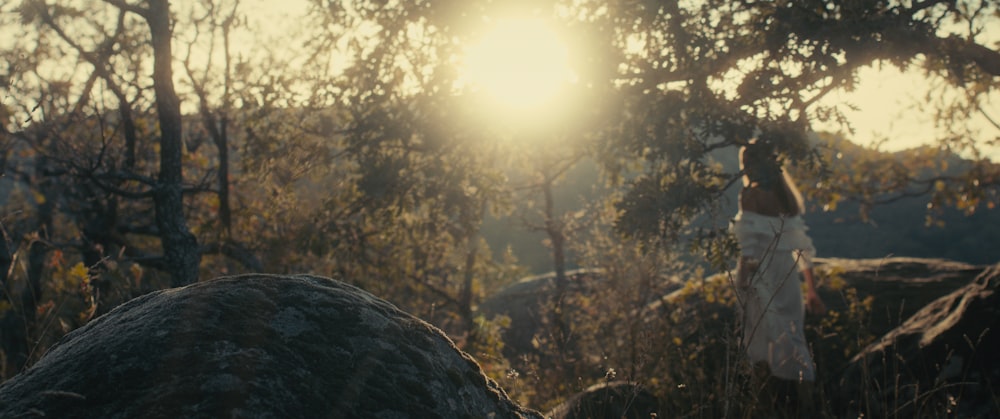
(987,59)
(121,4)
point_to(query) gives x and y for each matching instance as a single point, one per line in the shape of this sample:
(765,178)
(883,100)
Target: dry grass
(686,352)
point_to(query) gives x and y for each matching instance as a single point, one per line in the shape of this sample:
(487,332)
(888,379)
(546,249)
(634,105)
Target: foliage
(669,327)
(605,333)
(702,76)
(868,178)
(349,148)
(382,189)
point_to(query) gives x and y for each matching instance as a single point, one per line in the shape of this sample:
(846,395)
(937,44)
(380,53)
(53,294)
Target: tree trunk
(19,321)
(13,340)
(180,247)
(554,229)
(558,239)
(465,299)
(222,144)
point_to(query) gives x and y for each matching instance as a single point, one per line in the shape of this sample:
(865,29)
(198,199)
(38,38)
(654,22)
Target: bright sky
(275,19)
(885,97)
(519,63)
(881,99)
(886,100)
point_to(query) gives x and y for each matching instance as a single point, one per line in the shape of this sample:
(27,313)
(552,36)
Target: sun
(522,64)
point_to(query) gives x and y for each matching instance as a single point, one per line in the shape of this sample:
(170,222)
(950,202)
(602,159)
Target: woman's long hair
(759,164)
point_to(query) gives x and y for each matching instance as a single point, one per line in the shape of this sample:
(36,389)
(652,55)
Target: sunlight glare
(520,63)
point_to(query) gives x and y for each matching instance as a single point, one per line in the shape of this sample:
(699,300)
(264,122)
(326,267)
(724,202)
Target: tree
(88,118)
(352,150)
(407,222)
(180,248)
(78,172)
(710,75)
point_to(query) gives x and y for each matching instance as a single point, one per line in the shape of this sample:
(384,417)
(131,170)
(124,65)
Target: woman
(774,248)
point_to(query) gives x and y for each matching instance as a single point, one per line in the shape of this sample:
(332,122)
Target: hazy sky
(884,97)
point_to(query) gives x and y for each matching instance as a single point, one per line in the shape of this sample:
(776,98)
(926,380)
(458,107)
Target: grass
(686,352)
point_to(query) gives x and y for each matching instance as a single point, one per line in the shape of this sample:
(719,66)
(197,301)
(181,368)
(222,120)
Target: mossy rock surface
(259,346)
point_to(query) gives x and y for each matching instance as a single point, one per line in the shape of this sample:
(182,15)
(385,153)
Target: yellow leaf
(39,198)
(80,272)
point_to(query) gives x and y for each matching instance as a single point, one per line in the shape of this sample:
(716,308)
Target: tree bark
(180,247)
(554,229)
(468,275)
(13,340)
(17,326)
(222,144)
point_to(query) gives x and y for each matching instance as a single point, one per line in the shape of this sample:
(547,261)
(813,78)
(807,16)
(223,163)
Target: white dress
(771,296)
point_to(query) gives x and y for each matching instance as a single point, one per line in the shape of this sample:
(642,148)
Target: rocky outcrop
(613,400)
(899,286)
(528,302)
(256,346)
(941,362)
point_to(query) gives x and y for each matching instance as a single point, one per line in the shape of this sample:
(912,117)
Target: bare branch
(121,4)
(124,192)
(986,59)
(989,118)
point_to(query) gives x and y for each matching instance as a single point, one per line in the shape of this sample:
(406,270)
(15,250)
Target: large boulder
(263,346)
(941,362)
(899,285)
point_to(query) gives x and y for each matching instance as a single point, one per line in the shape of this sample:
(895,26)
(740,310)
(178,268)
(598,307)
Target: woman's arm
(814,304)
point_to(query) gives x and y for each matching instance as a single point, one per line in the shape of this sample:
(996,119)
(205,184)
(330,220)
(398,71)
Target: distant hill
(895,229)
(898,229)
